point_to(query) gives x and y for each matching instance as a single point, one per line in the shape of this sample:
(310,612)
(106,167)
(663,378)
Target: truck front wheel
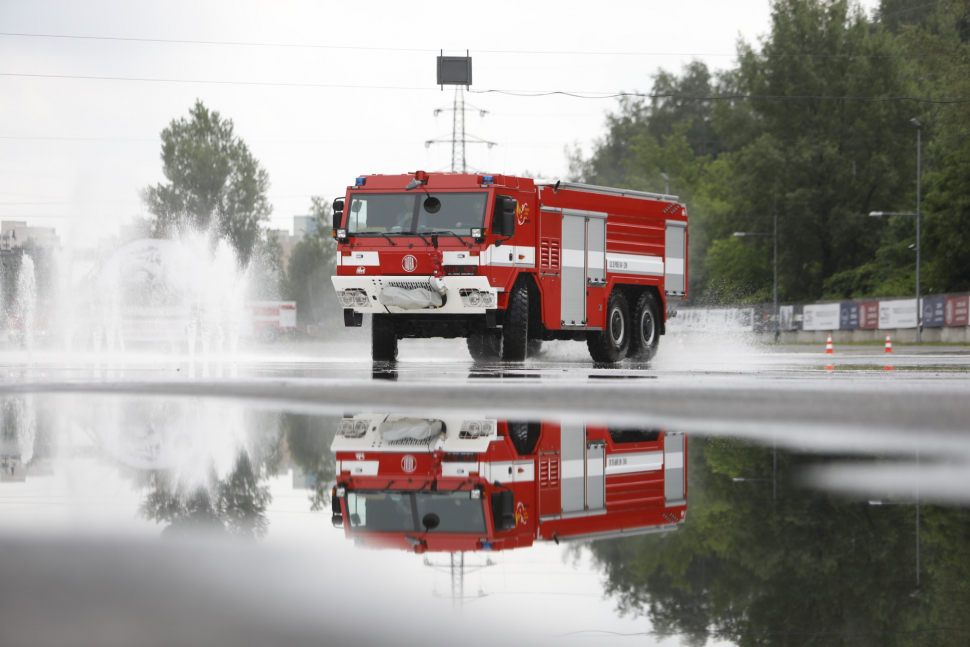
(612,344)
(383,339)
(515,329)
(646,328)
(485,347)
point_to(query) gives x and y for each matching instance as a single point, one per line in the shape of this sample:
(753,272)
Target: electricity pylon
(459,138)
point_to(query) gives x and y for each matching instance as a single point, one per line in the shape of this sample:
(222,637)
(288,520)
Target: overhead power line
(525,52)
(513,93)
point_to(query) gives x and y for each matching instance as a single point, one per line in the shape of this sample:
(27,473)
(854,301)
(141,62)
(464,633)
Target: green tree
(807,568)
(214,182)
(830,160)
(313,261)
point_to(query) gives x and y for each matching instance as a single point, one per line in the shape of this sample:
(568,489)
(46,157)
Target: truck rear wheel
(612,344)
(646,328)
(515,329)
(383,339)
(485,347)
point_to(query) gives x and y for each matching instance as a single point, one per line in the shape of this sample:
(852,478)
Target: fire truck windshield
(397,511)
(405,214)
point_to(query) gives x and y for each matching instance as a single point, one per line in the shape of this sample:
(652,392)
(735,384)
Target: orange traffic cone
(889,344)
(828,347)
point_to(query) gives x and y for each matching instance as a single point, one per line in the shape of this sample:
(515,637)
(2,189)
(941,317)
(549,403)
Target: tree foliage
(799,146)
(214,182)
(803,569)
(312,263)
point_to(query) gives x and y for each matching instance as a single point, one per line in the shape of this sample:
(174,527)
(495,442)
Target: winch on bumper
(412,294)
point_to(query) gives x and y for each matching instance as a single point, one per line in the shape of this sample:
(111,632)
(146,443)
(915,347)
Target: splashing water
(27,299)
(171,292)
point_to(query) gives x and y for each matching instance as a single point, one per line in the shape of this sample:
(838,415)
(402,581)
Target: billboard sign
(821,316)
(848,316)
(798,317)
(897,314)
(786,316)
(955,311)
(869,315)
(934,312)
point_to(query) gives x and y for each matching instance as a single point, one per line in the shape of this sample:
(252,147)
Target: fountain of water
(27,299)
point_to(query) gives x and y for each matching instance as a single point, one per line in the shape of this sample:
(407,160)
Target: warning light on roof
(488,179)
(361,181)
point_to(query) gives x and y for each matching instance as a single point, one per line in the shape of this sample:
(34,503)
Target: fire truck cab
(476,483)
(508,263)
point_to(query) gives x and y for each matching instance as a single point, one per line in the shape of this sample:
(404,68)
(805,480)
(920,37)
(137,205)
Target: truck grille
(410,442)
(410,285)
(549,253)
(548,472)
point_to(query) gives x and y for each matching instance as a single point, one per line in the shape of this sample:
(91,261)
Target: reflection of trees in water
(816,570)
(235,505)
(309,439)
(26,428)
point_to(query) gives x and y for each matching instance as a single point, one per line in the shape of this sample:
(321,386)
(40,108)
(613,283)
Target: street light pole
(774,313)
(742,234)
(919,148)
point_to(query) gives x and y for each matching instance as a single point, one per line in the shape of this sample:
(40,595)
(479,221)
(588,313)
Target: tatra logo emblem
(409,463)
(410,263)
(361,270)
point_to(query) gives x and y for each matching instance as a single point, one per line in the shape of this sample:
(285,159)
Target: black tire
(612,344)
(383,339)
(525,436)
(515,329)
(646,328)
(485,347)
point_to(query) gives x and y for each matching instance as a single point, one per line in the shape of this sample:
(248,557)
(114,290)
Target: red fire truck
(508,263)
(476,483)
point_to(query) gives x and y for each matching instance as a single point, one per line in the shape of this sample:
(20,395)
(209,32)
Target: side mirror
(503,216)
(503,510)
(338,212)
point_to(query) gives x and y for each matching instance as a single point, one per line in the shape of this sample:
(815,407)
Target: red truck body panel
(569,481)
(576,243)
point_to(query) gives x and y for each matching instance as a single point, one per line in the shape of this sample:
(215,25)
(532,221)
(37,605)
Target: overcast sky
(74,152)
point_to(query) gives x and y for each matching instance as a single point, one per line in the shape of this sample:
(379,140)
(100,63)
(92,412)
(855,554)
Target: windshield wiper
(389,239)
(450,233)
(426,241)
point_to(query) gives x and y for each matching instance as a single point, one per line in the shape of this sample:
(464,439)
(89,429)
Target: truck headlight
(346,298)
(476,233)
(476,298)
(360,299)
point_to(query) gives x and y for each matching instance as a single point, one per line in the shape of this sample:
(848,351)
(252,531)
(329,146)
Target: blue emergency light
(361,181)
(488,179)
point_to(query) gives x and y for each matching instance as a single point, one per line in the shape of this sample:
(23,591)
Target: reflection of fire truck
(474,483)
(508,263)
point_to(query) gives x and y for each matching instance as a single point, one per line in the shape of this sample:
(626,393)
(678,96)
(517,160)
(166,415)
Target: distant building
(15,234)
(302,226)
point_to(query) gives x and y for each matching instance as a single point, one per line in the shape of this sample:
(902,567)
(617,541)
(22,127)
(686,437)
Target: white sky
(75,152)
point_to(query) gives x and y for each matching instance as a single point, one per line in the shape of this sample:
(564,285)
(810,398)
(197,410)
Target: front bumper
(371,286)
